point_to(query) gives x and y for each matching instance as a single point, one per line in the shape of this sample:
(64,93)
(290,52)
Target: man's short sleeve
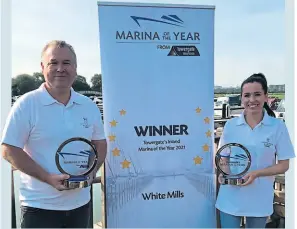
(17,127)
(284,147)
(98,132)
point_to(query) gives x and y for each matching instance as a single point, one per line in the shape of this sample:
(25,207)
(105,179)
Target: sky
(249,36)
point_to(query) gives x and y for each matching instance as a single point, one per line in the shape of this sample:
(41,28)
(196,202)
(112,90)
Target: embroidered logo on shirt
(267,143)
(85,123)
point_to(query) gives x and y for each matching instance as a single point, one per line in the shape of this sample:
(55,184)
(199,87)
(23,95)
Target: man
(38,123)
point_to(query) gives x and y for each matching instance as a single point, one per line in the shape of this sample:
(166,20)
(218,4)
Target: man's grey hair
(59,44)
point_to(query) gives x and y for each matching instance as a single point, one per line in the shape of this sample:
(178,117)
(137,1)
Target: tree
(39,78)
(23,83)
(96,82)
(14,88)
(80,84)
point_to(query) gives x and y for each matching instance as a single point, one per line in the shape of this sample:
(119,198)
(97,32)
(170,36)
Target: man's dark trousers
(41,218)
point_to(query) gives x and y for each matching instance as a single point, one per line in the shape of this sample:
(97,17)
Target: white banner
(158,88)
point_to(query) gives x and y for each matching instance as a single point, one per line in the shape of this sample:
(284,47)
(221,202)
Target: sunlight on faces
(253,97)
(59,67)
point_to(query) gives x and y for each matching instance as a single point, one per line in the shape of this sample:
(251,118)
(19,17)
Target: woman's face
(253,97)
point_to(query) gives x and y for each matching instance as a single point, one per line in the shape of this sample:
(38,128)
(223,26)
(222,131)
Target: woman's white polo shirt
(268,139)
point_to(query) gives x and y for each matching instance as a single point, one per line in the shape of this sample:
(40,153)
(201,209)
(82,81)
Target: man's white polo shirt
(269,138)
(38,124)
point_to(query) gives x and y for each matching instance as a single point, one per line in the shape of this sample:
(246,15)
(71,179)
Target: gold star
(113,123)
(197,160)
(206,120)
(198,110)
(125,164)
(116,152)
(111,138)
(122,112)
(205,148)
(208,133)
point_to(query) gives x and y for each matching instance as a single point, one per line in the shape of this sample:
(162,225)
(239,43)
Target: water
(97,210)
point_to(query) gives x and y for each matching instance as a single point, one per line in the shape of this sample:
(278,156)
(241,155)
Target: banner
(157,66)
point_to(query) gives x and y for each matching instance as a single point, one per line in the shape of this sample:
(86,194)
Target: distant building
(276,88)
(280,88)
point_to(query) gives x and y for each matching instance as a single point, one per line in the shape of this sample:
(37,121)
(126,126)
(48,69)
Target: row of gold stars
(112,138)
(114,123)
(206,121)
(197,159)
(125,163)
(198,111)
(205,147)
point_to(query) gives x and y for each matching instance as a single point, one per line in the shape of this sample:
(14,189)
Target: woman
(265,137)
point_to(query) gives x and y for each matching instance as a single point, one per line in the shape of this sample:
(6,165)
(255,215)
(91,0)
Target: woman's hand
(280,168)
(250,177)
(220,178)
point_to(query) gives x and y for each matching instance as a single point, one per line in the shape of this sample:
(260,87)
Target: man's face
(59,67)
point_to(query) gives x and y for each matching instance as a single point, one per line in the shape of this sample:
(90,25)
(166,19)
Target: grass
(277,95)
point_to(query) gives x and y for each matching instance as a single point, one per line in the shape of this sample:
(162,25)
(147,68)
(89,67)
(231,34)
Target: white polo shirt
(38,124)
(269,138)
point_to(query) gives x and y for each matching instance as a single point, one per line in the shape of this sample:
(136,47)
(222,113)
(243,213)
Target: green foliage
(24,83)
(97,83)
(277,95)
(80,84)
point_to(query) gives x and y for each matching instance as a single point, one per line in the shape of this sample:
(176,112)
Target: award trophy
(233,161)
(76,157)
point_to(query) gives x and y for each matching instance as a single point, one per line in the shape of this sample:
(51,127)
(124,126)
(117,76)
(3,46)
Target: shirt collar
(47,99)
(265,121)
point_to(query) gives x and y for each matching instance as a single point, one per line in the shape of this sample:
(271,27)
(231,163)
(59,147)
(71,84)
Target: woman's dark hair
(261,79)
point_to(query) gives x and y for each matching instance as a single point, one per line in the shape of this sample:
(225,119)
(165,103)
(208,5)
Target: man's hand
(97,180)
(250,177)
(56,180)
(92,176)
